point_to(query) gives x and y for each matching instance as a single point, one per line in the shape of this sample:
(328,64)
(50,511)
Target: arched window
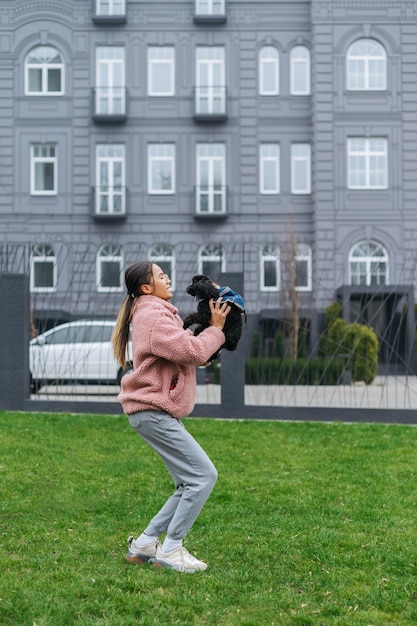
(44,72)
(109,268)
(268,71)
(43,272)
(300,71)
(270,268)
(303,267)
(368,264)
(211,260)
(163,255)
(366,66)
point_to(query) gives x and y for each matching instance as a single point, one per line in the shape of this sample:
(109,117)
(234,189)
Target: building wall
(331,219)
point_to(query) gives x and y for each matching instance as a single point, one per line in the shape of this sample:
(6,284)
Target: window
(110,90)
(110,180)
(211,261)
(163,255)
(368,264)
(366,66)
(303,268)
(161,168)
(367,163)
(42,269)
(161,71)
(211,176)
(110,7)
(210,81)
(300,71)
(109,268)
(209,7)
(44,72)
(43,170)
(269,168)
(268,71)
(300,168)
(270,268)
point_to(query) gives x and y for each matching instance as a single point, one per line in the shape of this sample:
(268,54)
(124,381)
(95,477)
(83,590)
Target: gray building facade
(274,138)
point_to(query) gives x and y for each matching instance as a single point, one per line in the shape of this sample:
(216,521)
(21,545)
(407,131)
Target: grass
(310,524)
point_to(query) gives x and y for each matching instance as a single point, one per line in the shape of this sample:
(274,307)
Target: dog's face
(203,287)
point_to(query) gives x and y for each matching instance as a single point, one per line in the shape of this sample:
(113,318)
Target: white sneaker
(140,555)
(180,560)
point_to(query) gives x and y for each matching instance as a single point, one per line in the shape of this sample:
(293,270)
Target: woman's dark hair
(136,275)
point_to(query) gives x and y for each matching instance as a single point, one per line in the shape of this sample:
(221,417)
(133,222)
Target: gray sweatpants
(193,473)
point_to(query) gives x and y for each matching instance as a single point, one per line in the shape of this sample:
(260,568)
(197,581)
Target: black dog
(203,288)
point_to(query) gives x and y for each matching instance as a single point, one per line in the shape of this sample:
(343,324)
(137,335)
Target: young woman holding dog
(155,396)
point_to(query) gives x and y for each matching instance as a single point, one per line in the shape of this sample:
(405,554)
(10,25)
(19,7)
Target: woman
(155,396)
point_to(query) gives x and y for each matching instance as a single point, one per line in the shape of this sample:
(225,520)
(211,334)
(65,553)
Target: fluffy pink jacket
(164,359)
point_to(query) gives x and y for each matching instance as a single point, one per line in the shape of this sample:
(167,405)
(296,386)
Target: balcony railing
(109,104)
(109,203)
(210,103)
(211,201)
(210,12)
(109,12)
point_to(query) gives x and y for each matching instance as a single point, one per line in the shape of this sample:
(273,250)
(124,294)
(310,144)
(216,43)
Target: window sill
(101,118)
(109,217)
(210,117)
(210,216)
(109,20)
(210,20)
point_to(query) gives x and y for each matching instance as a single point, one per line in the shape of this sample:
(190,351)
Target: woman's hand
(219,311)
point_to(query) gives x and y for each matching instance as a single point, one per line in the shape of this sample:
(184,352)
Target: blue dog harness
(228,295)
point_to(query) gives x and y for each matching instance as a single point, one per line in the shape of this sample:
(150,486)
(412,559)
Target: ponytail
(120,336)
(135,276)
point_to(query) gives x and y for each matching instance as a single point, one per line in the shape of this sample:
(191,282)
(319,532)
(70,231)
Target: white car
(78,351)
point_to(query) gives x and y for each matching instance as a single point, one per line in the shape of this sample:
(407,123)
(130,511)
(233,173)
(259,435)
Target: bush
(302,371)
(332,313)
(358,345)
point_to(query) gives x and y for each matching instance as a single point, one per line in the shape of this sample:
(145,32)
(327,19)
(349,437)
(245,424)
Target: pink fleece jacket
(164,359)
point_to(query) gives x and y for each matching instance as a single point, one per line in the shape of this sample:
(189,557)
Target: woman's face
(161,284)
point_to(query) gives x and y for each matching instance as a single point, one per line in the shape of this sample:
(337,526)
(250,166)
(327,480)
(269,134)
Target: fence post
(232,371)
(14,340)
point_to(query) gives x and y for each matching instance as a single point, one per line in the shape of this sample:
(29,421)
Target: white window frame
(44,68)
(210,80)
(163,255)
(110,155)
(161,154)
(300,64)
(268,62)
(270,253)
(269,157)
(214,7)
(211,160)
(45,255)
(300,166)
(359,66)
(43,159)
(211,253)
(360,160)
(110,70)
(368,259)
(303,254)
(109,253)
(161,57)
(114,7)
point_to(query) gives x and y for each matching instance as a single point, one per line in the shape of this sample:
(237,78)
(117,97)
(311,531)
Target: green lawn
(309,524)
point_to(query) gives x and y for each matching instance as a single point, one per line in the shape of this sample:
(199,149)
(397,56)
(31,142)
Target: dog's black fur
(204,288)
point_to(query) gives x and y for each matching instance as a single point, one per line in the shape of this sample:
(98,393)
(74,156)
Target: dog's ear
(198,279)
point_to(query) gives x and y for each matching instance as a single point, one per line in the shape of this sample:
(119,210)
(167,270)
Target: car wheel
(34,385)
(123,372)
